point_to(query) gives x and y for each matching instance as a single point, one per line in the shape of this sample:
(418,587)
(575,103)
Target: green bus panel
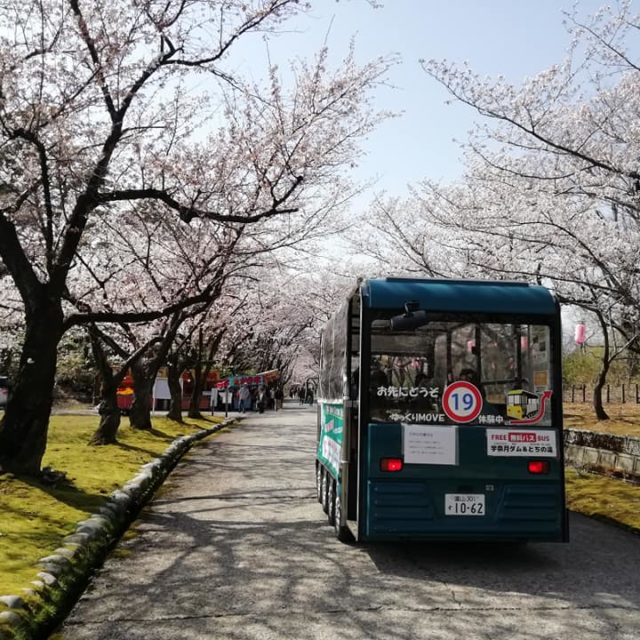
(331,436)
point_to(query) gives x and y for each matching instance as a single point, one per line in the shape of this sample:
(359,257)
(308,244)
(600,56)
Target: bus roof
(466,296)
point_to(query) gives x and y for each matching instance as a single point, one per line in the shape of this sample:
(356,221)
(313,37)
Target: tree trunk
(598,407)
(144,372)
(173,379)
(107,430)
(140,413)
(24,427)
(198,386)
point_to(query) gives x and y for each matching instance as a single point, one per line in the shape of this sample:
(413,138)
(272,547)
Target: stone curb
(603,453)
(606,441)
(65,572)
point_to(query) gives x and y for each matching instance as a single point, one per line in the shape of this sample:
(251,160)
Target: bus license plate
(464,504)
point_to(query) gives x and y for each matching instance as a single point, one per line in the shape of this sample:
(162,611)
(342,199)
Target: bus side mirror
(409,321)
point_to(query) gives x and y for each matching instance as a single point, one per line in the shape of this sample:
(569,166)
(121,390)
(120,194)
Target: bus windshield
(457,371)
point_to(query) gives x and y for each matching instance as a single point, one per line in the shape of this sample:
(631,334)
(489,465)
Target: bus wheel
(325,491)
(331,502)
(342,533)
(319,482)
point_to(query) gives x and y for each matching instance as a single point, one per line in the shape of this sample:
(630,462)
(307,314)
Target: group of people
(263,397)
(304,393)
(259,399)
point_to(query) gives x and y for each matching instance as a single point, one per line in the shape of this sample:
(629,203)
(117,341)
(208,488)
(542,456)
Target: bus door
(351,446)
(337,419)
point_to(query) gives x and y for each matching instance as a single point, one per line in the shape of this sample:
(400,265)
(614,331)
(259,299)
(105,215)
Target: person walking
(279,397)
(269,401)
(261,399)
(244,398)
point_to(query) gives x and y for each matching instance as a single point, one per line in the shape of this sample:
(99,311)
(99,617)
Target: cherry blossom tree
(103,346)
(198,353)
(104,104)
(184,263)
(11,330)
(277,321)
(551,187)
(154,260)
(559,155)
(200,347)
(555,173)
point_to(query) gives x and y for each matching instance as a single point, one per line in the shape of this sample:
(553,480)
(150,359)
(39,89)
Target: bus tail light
(538,466)
(391,464)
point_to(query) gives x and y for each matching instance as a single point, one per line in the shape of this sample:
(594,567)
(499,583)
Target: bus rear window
(504,370)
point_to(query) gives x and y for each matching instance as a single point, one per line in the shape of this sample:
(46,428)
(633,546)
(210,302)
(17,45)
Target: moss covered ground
(624,419)
(603,498)
(34,517)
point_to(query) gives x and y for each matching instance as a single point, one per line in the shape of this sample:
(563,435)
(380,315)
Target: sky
(513,38)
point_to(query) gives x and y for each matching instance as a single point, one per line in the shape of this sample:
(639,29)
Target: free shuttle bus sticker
(521,442)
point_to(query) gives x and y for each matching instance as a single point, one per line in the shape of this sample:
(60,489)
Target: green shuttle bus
(440,413)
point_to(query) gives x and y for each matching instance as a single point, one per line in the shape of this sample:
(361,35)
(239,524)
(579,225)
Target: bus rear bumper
(416,510)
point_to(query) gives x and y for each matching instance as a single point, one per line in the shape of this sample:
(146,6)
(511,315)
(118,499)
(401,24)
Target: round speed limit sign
(462,401)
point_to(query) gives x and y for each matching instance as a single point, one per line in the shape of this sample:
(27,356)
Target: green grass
(604,498)
(35,517)
(624,419)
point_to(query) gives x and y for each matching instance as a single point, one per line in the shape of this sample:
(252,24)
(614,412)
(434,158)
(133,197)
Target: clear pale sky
(515,38)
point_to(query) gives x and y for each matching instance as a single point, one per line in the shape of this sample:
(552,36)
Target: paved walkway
(236,547)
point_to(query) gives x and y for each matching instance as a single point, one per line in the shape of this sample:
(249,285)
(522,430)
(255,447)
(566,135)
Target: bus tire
(319,482)
(331,502)
(342,533)
(325,491)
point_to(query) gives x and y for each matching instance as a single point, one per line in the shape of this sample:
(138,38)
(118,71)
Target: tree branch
(188,213)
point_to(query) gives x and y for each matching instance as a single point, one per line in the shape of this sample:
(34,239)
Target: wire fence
(617,394)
